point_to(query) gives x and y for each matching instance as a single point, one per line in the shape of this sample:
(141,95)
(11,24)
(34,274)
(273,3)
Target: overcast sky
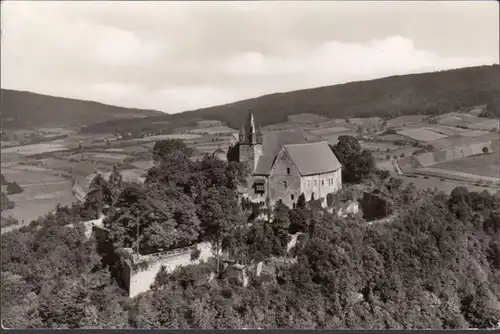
(177,56)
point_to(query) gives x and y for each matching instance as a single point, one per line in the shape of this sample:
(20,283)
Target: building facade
(284,164)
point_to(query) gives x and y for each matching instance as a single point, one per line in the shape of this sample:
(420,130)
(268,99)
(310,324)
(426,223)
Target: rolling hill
(424,93)
(25,110)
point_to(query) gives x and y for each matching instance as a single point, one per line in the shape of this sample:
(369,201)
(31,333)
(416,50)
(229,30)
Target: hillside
(424,93)
(26,110)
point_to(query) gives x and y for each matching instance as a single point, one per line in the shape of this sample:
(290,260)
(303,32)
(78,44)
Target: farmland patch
(180,136)
(461,176)
(404,120)
(213,130)
(485,124)
(442,185)
(483,165)
(110,156)
(143,164)
(377,146)
(392,137)
(35,148)
(329,131)
(42,192)
(367,122)
(421,134)
(334,138)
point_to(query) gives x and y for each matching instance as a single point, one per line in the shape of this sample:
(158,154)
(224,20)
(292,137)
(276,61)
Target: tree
(281,225)
(5,203)
(301,201)
(460,203)
(152,218)
(357,164)
(115,183)
(164,148)
(98,196)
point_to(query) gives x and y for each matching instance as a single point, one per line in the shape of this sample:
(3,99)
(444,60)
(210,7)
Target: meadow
(42,192)
(421,134)
(482,165)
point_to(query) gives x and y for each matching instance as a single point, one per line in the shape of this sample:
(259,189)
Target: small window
(293,204)
(288,171)
(315,182)
(322,182)
(292,197)
(285,184)
(309,183)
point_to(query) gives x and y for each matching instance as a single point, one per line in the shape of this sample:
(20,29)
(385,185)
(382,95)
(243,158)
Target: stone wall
(139,274)
(320,184)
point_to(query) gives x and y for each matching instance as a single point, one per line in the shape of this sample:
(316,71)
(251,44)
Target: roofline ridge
(308,143)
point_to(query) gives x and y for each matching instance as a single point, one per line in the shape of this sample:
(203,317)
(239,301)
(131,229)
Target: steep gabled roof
(313,158)
(273,142)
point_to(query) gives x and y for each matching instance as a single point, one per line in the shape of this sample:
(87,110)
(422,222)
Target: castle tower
(250,144)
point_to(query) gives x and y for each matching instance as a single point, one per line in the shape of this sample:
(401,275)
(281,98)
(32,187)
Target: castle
(284,164)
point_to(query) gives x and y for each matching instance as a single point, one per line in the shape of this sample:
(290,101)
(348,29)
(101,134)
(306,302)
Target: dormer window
(288,170)
(285,184)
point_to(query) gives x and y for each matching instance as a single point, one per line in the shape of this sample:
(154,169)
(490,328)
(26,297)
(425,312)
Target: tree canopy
(436,264)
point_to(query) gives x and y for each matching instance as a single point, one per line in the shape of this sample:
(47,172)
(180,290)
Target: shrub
(195,254)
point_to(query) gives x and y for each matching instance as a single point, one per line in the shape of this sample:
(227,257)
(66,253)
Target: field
(444,129)
(370,122)
(42,191)
(181,136)
(441,184)
(459,176)
(377,146)
(469,121)
(334,138)
(485,124)
(404,120)
(36,148)
(422,135)
(483,165)
(329,131)
(213,130)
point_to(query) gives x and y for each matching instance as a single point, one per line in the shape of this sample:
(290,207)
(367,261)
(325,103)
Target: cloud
(176,56)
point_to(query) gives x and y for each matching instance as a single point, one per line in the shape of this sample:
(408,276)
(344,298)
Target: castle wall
(140,279)
(321,184)
(284,170)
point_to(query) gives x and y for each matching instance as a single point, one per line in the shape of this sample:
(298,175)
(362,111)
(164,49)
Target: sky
(178,56)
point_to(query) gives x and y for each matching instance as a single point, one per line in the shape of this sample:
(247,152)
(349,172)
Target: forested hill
(26,110)
(435,92)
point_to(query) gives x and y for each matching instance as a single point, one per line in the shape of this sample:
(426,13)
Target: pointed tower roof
(250,131)
(250,123)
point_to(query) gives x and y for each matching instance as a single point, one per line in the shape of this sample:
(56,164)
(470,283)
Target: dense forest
(436,265)
(424,93)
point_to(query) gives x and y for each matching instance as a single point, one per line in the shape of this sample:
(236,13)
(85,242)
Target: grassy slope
(25,110)
(425,93)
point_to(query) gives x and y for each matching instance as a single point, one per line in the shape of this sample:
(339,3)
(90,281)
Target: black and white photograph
(254,165)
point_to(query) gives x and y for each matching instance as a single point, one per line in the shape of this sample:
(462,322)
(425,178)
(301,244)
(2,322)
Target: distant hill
(25,110)
(424,93)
